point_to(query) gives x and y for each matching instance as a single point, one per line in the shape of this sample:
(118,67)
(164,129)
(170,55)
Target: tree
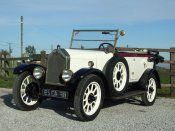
(4,52)
(30,50)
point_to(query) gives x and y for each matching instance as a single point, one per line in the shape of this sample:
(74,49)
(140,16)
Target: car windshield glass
(91,39)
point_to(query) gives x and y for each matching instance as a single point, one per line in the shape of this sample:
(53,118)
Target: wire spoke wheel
(91,98)
(119,76)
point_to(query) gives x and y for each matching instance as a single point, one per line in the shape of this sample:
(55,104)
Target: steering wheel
(102,45)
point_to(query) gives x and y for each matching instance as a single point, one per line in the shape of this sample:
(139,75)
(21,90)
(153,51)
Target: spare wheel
(117,74)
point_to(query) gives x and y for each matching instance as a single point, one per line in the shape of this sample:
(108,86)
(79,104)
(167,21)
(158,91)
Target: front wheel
(26,92)
(149,97)
(89,97)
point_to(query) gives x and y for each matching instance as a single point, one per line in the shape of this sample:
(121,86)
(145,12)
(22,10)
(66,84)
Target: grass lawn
(165,79)
(6,83)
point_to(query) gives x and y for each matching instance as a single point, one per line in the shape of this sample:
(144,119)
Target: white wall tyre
(89,98)
(117,74)
(26,92)
(149,97)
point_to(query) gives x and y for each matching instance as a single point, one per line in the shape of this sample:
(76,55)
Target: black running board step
(129,94)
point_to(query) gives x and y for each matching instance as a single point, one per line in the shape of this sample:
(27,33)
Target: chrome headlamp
(38,72)
(67,75)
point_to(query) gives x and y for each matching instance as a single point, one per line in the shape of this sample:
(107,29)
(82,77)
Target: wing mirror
(122,33)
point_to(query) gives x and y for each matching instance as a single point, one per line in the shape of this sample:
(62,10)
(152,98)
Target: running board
(129,94)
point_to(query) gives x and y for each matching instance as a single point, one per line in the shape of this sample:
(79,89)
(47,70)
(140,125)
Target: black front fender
(80,74)
(86,71)
(26,67)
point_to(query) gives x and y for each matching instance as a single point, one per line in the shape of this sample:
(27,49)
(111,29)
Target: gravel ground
(118,115)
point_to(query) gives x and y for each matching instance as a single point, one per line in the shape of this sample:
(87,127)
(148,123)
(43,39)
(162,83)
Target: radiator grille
(57,61)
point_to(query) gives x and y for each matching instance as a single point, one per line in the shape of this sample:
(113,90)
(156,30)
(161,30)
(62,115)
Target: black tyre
(117,74)
(89,98)
(149,97)
(26,92)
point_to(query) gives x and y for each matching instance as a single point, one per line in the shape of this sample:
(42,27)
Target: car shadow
(8,101)
(66,109)
(114,102)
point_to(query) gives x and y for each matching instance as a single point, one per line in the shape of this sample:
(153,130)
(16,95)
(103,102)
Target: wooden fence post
(0,64)
(0,60)
(172,69)
(5,75)
(6,65)
(43,58)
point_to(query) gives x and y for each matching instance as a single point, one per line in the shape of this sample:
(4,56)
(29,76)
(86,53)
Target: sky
(147,23)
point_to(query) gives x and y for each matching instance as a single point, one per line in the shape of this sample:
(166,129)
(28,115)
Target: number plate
(55,93)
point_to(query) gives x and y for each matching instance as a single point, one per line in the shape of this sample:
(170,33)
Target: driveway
(127,114)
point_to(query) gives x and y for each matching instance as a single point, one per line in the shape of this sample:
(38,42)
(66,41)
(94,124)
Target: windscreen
(91,39)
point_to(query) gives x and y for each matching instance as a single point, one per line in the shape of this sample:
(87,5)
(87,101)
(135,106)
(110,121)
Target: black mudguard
(26,67)
(86,71)
(80,74)
(148,72)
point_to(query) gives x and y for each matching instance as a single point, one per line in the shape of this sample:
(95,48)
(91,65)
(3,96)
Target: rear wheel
(26,92)
(89,97)
(149,97)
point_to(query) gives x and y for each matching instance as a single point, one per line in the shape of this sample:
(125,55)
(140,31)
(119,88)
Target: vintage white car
(87,73)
